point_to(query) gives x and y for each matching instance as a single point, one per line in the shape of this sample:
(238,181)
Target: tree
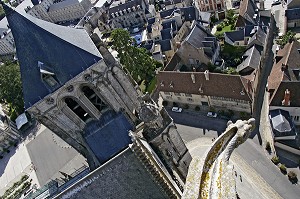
(138,63)
(11,87)
(288,37)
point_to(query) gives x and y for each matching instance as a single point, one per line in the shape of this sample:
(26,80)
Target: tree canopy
(11,87)
(289,36)
(137,61)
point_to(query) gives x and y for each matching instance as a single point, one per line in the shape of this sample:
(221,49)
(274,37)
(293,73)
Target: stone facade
(9,133)
(210,5)
(7,45)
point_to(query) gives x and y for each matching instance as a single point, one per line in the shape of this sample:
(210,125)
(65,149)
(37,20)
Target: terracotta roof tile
(219,85)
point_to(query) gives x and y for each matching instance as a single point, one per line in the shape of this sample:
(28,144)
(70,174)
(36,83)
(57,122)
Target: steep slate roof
(165,45)
(197,35)
(166,33)
(122,177)
(190,13)
(235,35)
(293,14)
(64,51)
(166,13)
(246,13)
(252,59)
(282,77)
(122,5)
(259,37)
(218,85)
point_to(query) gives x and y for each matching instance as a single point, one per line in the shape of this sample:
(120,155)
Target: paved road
(199,120)
(191,125)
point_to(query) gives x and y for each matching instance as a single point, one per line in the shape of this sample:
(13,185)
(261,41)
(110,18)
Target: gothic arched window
(94,98)
(77,109)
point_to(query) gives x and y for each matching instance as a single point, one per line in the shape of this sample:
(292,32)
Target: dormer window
(47,75)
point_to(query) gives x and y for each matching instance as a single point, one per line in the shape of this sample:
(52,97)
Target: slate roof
(62,4)
(218,85)
(166,33)
(197,35)
(235,35)
(122,177)
(171,23)
(246,13)
(190,13)
(165,45)
(166,13)
(259,37)
(285,75)
(252,59)
(293,4)
(66,51)
(293,14)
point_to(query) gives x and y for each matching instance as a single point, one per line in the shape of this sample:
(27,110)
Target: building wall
(134,16)
(8,134)
(210,5)
(204,101)
(7,44)
(293,23)
(294,112)
(192,56)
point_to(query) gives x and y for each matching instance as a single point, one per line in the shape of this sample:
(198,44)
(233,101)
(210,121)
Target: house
(126,14)
(240,37)
(284,132)
(293,17)
(198,48)
(251,60)
(210,5)
(248,14)
(284,81)
(204,89)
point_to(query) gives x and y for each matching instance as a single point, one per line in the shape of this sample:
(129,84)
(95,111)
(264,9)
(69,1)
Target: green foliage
(275,160)
(136,60)
(211,67)
(213,19)
(282,168)
(231,71)
(151,85)
(219,28)
(2,13)
(219,35)
(292,177)
(268,146)
(16,185)
(11,87)
(288,37)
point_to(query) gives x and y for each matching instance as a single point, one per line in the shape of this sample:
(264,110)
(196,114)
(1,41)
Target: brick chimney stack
(286,100)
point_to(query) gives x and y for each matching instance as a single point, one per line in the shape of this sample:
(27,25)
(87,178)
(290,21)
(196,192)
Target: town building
(284,82)
(198,49)
(83,96)
(205,89)
(210,5)
(9,133)
(292,14)
(7,45)
(55,11)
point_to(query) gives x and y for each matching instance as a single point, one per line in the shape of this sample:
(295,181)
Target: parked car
(212,114)
(177,109)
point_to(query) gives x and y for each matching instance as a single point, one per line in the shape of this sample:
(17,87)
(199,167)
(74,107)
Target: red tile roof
(219,85)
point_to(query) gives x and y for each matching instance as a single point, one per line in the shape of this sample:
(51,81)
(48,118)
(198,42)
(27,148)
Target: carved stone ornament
(49,100)
(70,88)
(88,77)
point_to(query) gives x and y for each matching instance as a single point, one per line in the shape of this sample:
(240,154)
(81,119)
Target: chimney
(193,78)
(206,74)
(286,101)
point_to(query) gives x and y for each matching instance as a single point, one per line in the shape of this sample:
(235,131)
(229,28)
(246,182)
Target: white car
(211,114)
(177,109)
